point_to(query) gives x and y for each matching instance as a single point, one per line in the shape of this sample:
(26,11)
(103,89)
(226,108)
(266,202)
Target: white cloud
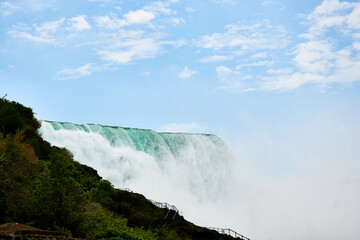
(141,16)
(332,13)
(322,59)
(215,58)
(128,46)
(314,56)
(343,69)
(160,7)
(44,33)
(189,9)
(329,51)
(187,73)
(37,5)
(48,28)
(82,71)
(288,82)
(177,20)
(138,17)
(328,7)
(280,71)
(78,23)
(356,45)
(114,41)
(132,17)
(225,1)
(233,80)
(267,2)
(51,32)
(30,37)
(192,127)
(353,19)
(256,64)
(260,55)
(7,8)
(246,37)
(107,22)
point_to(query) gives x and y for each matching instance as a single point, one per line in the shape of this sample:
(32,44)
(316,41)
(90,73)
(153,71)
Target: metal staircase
(229,232)
(170,207)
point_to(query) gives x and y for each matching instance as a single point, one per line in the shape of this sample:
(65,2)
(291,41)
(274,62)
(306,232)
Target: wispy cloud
(245,37)
(267,2)
(82,71)
(233,80)
(177,20)
(7,8)
(260,55)
(122,39)
(266,63)
(36,5)
(216,58)
(51,32)
(78,23)
(121,43)
(319,59)
(190,9)
(332,14)
(187,73)
(43,33)
(143,15)
(128,46)
(243,41)
(132,17)
(225,1)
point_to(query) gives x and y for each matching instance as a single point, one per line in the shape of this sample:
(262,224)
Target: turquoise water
(161,146)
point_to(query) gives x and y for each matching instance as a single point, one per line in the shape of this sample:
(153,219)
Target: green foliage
(17,169)
(118,230)
(96,218)
(67,195)
(167,233)
(103,193)
(14,116)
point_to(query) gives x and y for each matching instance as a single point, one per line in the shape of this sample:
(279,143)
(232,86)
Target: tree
(67,196)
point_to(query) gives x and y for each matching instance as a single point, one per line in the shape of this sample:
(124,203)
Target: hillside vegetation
(42,186)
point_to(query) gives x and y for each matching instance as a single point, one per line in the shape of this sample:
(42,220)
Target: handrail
(227,231)
(164,205)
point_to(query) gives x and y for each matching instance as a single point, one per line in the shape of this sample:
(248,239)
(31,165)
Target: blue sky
(178,63)
(227,67)
(279,80)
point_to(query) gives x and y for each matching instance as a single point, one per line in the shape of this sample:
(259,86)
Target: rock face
(17,231)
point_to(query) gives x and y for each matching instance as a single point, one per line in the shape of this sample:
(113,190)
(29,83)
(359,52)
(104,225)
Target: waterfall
(180,168)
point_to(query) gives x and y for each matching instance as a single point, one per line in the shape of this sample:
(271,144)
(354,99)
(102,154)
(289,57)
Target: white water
(191,171)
